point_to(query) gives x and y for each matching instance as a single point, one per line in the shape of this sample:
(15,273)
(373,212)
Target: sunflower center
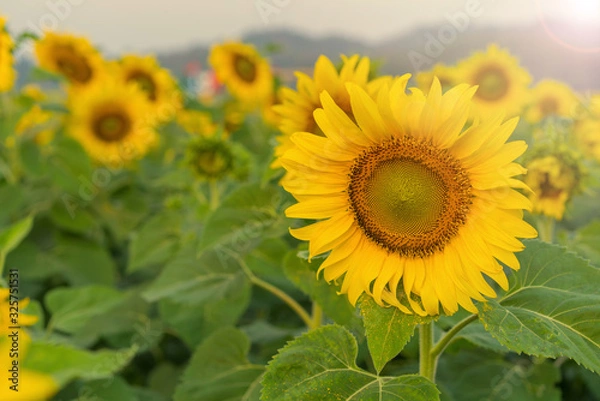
(245,68)
(549,106)
(73,66)
(408,196)
(547,190)
(111,126)
(493,83)
(145,82)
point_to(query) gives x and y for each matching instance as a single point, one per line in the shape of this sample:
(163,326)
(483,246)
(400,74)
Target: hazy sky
(121,25)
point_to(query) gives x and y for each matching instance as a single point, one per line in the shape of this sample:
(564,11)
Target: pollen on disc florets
(409,196)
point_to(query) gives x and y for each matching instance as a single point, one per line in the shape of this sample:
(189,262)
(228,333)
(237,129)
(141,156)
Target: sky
(118,26)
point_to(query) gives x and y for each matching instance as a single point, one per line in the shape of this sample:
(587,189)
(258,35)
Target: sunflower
(297,106)
(113,122)
(35,121)
(197,122)
(551,98)
(241,68)
(5,317)
(7,72)
(413,207)
(587,133)
(554,178)
(33,385)
(502,81)
(158,84)
(214,158)
(72,57)
(446,75)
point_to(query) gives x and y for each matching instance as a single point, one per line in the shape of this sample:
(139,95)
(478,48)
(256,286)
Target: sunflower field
(349,235)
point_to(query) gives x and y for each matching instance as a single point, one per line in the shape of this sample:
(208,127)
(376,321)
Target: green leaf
(244,219)
(164,378)
(219,370)
(65,363)
(155,242)
(587,241)
(475,334)
(114,388)
(552,308)
(484,376)
(81,262)
(12,236)
(196,321)
(388,330)
(191,279)
(71,169)
(321,366)
(304,275)
(72,308)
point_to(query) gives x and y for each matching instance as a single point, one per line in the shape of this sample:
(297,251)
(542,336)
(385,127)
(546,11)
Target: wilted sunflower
(113,122)
(413,207)
(158,84)
(446,75)
(554,177)
(502,81)
(241,68)
(7,72)
(551,98)
(297,106)
(72,57)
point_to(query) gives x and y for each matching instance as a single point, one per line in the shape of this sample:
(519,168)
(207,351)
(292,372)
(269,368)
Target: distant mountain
(559,51)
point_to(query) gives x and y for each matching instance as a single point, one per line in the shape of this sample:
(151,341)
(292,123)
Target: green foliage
(229,378)
(321,366)
(304,275)
(65,363)
(245,217)
(11,236)
(552,308)
(388,330)
(72,308)
(483,376)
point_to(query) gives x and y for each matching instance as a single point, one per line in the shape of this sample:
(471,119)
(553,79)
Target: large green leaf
(219,370)
(65,362)
(321,366)
(81,262)
(190,279)
(485,376)
(155,242)
(587,242)
(552,308)
(387,330)
(304,275)
(12,236)
(72,308)
(244,218)
(196,321)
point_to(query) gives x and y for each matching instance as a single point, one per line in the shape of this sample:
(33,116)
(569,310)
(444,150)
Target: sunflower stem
(426,359)
(317,315)
(546,228)
(291,302)
(213,189)
(447,338)
(282,295)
